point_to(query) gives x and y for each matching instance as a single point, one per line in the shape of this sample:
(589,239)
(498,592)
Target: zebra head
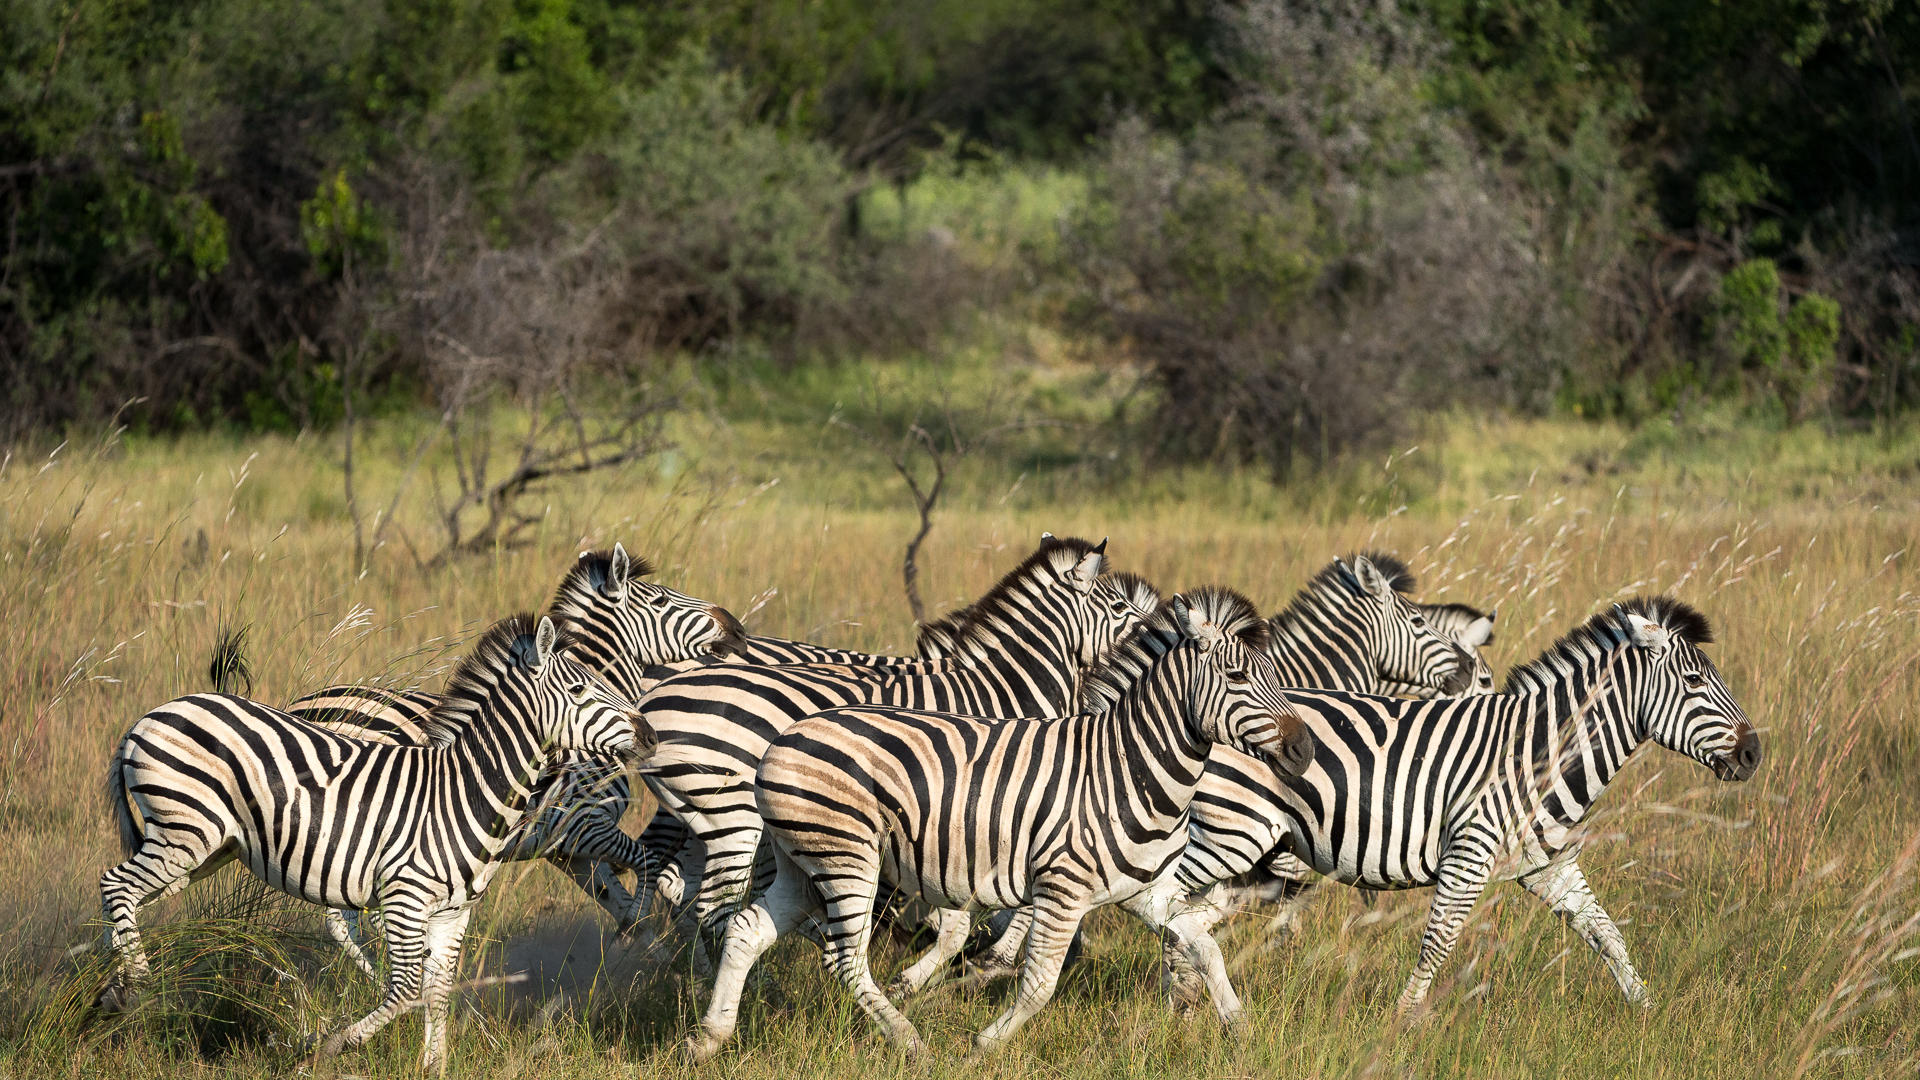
(621,624)
(1684,705)
(528,670)
(1057,601)
(1235,693)
(1471,629)
(1405,647)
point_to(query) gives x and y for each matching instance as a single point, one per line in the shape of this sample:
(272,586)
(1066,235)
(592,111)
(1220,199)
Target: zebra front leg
(1563,888)
(1183,983)
(600,881)
(788,903)
(405,930)
(950,927)
(1054,920)
(340,928)
(1462,880)
(1186,926)
(445,933)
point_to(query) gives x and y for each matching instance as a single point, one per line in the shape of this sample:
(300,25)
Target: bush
(1322,259)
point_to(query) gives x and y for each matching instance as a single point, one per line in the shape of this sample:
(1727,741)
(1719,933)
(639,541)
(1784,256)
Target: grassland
(1775,921)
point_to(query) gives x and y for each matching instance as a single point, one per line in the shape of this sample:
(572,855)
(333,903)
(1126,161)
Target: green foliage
(1794,352)
(338,227)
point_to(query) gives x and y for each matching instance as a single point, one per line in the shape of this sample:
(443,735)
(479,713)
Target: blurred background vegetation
(1283,230)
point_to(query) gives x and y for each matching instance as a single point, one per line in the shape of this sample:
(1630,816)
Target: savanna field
(1777,922)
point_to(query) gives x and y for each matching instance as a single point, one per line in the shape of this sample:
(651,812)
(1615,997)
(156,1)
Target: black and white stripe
(1351,628)
(1456,792)
(1066,814)
(1021,653)
(623,627)
(415,831)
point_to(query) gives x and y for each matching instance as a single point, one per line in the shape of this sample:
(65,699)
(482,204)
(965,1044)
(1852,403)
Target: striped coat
(1064,813)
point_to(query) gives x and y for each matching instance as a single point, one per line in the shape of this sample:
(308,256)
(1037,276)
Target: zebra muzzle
(729,636)
(645,740)
(1293,751)
(1741,762)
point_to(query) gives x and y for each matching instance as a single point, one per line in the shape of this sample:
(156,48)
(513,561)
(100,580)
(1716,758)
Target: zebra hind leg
(1184,985)
(1563,888)
(1187,927)
(159,867)
(1056,918)
(788,903)
(950,927)
(847,885)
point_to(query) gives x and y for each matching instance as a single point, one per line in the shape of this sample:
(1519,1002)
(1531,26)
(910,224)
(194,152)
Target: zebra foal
(1065,813)
(415,831)
(1454,793)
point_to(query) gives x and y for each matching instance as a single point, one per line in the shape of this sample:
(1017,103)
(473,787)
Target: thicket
(1301,221)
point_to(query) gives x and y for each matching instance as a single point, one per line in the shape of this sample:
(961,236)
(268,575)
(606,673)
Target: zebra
(621,625)
(1284,880)
(1065,814)
(1019,654)
(1453,793)
(1350,628)
(1472,629)
(417,831)
(670,845)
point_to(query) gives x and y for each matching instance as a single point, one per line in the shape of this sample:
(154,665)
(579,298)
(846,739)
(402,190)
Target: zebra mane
(942,637)
(588,577)
(1130,660)
(507,644)
(970,629)
(1139,592)
(1603,633)
(1333,585)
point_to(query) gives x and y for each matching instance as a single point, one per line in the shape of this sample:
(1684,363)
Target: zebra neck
(491,768)
(1320,641)
(1156,751)
(1031,659)
(1584,729)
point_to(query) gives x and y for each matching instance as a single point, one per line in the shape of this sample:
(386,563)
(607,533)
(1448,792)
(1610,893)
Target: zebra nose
(1295,751)
(1746,755)
(729,636)
(645,740)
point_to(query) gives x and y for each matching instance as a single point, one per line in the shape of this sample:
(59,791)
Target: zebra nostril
(1747,754)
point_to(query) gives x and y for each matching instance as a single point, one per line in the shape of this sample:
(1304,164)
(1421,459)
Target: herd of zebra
(1070,740)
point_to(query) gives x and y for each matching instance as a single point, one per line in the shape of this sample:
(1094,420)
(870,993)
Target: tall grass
(1776,921)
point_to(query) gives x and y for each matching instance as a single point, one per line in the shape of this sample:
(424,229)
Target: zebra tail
(229,670)
(120,805)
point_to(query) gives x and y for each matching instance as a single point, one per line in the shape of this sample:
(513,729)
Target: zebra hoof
(114,998)
(704,1046)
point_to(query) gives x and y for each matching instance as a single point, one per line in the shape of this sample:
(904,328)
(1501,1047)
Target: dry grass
(1775,921)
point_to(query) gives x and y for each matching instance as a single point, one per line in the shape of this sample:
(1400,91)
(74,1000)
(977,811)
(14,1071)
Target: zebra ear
(1204,634)
(618,570)
(1371,580)
(1477,633)
(1045,536)
(544,637)
(1648,634)
(1085,572)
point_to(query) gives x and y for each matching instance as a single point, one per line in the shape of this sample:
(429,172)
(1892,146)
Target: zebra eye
(1419,622)
(1695,680)
(578,689)
(1237,675)
(1119,607)
(659,600)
